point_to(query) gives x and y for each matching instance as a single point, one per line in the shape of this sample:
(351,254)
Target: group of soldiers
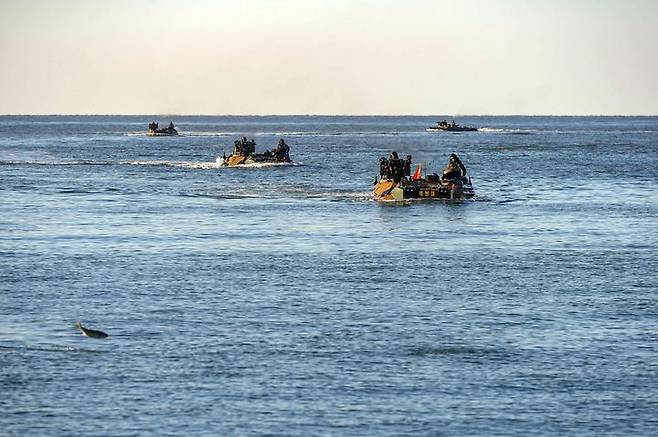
(248,147)
(153,127)
(244,147)
(397,169)
(394,167)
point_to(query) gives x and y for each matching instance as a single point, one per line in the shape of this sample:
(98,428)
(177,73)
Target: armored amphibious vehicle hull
(451,129)
(389,190)
(238,160)
(162,133)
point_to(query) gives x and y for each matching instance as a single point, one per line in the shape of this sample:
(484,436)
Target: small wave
(461,351)
(425,350)
(77,191)
(225,196)
(227,134)
(208,134)
(507,131)
(490,129)
(308,191)
(285,193)
(287,134)
(298,133)
(51,348)
(179,164)
(154,163)
(255,134)
(354,197)
(261,164)
(332,196)
(203,165)
(185,134)
(41,162)
(263,133)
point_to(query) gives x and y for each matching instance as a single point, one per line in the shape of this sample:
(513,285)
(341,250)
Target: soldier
(238,148)
(455,170)
(396,167)
(249,147)
(281,151)
(384,171)
(407,166)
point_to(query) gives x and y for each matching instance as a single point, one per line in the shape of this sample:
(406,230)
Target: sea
(283,300)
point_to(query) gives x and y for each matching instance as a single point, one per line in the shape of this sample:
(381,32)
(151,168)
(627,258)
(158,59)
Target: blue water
(283,301)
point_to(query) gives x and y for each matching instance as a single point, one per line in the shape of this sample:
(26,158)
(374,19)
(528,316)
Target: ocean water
(283,301)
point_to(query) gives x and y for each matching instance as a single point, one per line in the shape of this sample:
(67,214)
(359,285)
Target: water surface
(282,300)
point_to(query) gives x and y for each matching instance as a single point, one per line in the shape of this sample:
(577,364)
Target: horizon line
(315,115)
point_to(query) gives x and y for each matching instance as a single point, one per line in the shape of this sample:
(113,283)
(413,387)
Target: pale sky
(329,57)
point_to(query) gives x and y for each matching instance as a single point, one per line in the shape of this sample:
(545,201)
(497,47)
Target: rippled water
(282,300)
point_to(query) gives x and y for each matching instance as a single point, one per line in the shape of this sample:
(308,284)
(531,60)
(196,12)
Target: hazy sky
(329,57)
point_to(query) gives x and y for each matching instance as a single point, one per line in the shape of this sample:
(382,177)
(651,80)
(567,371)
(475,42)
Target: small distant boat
(154,131)
(450,127)
(397,183)
(244,153)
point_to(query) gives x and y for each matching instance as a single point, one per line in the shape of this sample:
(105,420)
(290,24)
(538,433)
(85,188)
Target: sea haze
(283,300)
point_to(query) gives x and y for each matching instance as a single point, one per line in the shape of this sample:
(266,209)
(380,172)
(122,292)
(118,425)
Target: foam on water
(261,164)
(507,131)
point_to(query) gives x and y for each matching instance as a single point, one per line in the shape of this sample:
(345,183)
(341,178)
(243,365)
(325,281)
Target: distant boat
(450,127)
(154,131)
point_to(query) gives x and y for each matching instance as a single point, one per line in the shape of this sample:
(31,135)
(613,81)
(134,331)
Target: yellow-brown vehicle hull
(234,160)
(389,190)
(237,160)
